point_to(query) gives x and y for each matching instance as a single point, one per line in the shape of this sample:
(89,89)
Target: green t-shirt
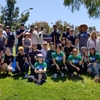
(39,66)
(95,57)
(75,60)
(58,58)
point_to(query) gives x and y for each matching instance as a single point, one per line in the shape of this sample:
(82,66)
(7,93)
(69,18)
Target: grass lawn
(67,88)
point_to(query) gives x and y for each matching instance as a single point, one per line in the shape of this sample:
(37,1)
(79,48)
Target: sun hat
(86,27)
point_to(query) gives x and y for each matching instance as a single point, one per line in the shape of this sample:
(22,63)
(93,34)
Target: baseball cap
(40,56)
(7,27)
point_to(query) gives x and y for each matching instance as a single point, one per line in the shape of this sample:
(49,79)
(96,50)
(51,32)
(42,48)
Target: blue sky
(53,10)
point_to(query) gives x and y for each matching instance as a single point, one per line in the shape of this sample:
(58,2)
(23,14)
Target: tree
(10,14)
(92,6)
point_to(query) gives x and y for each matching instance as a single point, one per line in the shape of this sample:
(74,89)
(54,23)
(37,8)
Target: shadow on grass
(17,76)
(2,76)
(75,78)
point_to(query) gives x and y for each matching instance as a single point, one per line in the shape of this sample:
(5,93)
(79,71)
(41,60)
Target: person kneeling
(22,65)
(58,62)
(75,63)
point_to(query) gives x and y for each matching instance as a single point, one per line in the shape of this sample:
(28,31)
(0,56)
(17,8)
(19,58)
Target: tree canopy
(92,6)
(10,14)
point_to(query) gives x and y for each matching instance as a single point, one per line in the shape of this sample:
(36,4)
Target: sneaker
(72,75)
(55,76)
(26,76)
(62,74)
(79,75)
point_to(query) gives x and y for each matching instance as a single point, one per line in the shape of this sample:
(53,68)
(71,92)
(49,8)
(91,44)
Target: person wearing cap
(71,36)
(27,42)
(55,34)
(66,33)
(40,39)
(75,63)
(83,35)
(4,32)
(40,69)
(59,62)
(34,34)
(44,49)
(94,41)
(33,57)
(10,39)
(94,62)
(20,34)
(22,65)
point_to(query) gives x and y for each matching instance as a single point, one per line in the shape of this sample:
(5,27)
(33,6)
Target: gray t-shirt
(2,39)
(83,37)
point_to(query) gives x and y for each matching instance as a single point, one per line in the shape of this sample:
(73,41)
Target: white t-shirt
(44,53)
(40,38)
(34,36)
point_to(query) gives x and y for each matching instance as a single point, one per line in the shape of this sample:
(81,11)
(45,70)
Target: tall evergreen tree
(10,14)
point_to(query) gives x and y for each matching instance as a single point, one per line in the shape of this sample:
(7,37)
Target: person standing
(66,33)
(94,41)
(83,35)
(10,39)
(34,34)
(20,34)
(71,36)
(55,35)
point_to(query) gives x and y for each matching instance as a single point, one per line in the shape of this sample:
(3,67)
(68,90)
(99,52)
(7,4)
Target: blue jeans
(96,68)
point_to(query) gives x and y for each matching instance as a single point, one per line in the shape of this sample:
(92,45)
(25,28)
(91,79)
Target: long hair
(94,52)
(93,32)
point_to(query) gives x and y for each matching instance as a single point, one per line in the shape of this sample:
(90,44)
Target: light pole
(26,10)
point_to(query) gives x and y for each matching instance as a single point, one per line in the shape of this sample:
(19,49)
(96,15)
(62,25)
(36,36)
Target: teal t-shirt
(95,57)
(75,60)
(39,66)
(58,58)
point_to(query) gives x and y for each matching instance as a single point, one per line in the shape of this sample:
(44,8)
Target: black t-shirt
(8,59)
(68,50)
(32,55)
(21,59)
(72,39)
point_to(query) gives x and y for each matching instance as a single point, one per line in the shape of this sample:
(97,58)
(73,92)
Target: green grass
(17,88)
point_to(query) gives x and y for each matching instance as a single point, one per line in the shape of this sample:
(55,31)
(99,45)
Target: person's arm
(18,67)
(30,44)
(2,59)
(70,62)
(64,59)
(26,58)
(5,40)
(19,35)
(30,62)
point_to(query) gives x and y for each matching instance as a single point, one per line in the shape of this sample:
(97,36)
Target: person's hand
(78,69)
(57,67)
(23,33)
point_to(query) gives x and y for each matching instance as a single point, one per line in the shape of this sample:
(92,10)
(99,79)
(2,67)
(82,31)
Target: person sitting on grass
(27,43)
(58,62)
(94,62)
(6,62)
(75,63)
(22,65)
(40,70)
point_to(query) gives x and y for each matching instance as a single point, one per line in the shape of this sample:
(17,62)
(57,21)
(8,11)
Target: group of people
(69,54)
